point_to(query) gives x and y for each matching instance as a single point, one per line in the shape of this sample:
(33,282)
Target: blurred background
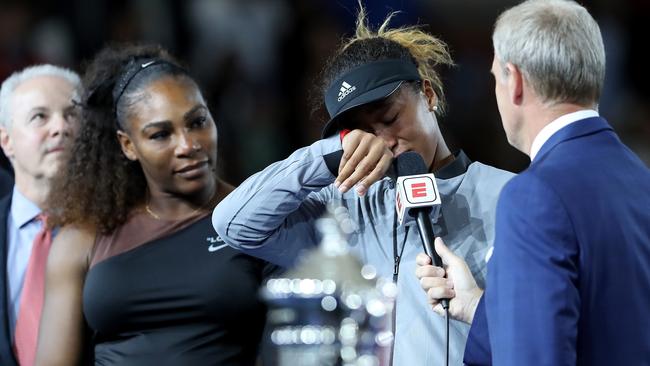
(258,63)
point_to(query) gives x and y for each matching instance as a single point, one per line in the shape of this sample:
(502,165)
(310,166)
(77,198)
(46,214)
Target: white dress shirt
(559,123)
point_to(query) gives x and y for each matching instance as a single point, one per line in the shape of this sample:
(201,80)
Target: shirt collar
(22,209)
(551,128)
(455,167)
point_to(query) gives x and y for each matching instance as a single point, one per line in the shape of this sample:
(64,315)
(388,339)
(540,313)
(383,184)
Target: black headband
(132,69)
(364,84)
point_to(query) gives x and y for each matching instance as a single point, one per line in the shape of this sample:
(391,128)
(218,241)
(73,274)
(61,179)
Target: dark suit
(569,280)
(6,350)
(6,183)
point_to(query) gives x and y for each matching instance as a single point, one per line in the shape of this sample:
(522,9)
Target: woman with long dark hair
(136,275)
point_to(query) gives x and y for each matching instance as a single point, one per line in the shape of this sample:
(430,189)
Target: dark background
(257,62)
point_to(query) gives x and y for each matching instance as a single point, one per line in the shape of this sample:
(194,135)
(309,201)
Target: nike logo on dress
(215,240)
(213,248)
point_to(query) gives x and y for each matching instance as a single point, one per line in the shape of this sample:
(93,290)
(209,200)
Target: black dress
(185,299)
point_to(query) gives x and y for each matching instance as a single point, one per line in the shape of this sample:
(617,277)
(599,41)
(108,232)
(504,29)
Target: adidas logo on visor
(345,90)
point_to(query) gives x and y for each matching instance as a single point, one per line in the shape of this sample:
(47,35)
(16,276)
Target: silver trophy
(331,309)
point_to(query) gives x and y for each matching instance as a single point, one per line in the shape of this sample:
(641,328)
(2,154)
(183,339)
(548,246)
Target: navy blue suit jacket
(569,280)
(6,182)
(6,350)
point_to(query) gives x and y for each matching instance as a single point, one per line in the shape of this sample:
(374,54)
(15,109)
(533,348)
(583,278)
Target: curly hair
(408,43)
(98,185)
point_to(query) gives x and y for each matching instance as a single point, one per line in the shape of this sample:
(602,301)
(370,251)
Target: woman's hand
(366,158)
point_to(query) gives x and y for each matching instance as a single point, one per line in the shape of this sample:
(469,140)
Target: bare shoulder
(75,237)
(72,246)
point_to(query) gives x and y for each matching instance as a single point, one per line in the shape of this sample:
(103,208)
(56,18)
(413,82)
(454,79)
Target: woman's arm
(271,215)
(61,332)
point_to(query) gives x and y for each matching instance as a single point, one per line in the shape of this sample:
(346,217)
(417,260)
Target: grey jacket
(271,215)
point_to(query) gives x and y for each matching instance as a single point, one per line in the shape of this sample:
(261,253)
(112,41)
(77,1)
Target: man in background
(37,118)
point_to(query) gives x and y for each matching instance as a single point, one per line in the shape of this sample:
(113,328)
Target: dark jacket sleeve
(477,348)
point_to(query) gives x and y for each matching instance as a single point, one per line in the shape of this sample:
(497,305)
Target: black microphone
(417,194)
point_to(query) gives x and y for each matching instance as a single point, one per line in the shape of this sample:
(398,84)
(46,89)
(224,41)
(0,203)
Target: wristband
(343,133)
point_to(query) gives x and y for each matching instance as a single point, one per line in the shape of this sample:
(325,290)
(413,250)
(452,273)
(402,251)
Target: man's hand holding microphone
(459,285)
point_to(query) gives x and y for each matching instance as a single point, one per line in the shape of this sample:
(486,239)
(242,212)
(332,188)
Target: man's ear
(430,94)
(127,145)
(515,83)
(6,142)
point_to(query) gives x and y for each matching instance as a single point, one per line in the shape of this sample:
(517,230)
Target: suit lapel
(6,349)
(577,129)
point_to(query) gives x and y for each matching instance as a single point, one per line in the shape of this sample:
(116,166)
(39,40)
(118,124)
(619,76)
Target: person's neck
(443,156)
(164,205)
(543,115)
(34,189)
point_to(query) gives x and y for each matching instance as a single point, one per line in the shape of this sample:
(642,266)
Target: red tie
(31,301)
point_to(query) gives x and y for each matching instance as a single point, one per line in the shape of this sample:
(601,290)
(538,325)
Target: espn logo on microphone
(415,191)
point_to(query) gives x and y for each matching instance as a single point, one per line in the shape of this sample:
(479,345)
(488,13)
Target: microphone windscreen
(409,163)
